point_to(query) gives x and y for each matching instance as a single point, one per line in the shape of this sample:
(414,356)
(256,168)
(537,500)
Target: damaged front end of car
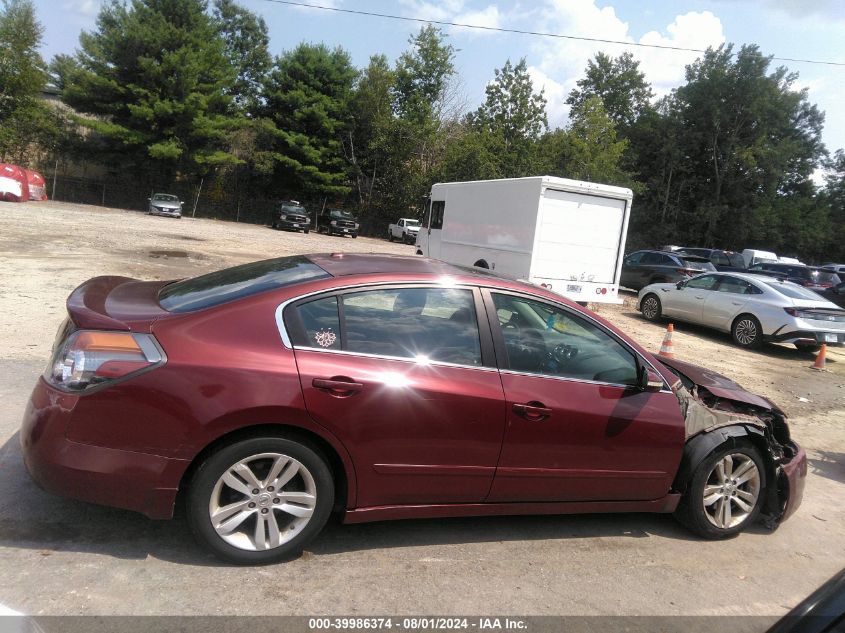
(717,411)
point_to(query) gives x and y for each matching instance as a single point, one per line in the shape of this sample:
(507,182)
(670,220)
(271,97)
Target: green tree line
(188,89)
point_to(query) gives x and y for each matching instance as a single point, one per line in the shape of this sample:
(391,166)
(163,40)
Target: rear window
(793,291)
(698,264)
(825,277)
(238,282)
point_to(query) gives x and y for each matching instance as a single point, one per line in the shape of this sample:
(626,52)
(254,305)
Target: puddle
(167,254)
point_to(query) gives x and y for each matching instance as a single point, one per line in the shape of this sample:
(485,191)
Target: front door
(688,301)
(402,379)
(577,428)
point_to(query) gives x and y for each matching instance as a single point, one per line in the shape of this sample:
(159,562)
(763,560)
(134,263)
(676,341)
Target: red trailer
(14,186)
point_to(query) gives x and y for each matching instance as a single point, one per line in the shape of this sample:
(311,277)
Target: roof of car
(343,264)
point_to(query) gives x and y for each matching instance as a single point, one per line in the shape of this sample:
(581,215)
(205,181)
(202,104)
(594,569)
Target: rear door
(577,430)
(399,374)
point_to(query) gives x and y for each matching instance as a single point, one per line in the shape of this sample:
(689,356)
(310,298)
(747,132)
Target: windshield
(289,208)
(165,197)
(793,291)
(238,282)
(342,214)
(412,222)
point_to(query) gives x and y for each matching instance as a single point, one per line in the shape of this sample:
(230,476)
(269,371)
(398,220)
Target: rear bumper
(807,336)
(135,481)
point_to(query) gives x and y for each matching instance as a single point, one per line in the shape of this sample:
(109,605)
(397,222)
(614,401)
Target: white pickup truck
(405,229)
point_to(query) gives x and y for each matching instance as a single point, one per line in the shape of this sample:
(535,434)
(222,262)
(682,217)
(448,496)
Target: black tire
(651,307)
(306,231)
(390,235)
(482,264)
(808,348)
(202,491)
(692,511)
(747,331)
(354,235)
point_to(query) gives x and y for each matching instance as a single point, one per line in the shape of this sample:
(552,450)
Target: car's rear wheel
(747,331)
(726,492)
(260,500)
(651,307)
(390,235)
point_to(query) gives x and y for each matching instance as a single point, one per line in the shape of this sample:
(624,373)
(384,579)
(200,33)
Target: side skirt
(389,513)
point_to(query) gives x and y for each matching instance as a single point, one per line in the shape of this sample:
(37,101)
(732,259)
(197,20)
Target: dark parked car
(384,387)
(641,268)
(728,261)
(291,216)
(810,277)
(834,294)
(337,222)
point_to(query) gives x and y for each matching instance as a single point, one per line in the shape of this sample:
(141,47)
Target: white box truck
(566,235)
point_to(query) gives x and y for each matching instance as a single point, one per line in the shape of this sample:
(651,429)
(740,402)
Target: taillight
(89,358)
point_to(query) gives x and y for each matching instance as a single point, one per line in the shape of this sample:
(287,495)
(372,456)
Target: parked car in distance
(270,394)
(291,216)
(753,256)
(721,260)
(642,268)
(834,294)
(337,222)
(754,308)
(807,276)
(839,269)
(790,260)
(405,229)
(165,204)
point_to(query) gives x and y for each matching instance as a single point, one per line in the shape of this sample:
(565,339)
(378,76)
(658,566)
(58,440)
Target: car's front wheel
(260,500)
(726,492)
(651,307)
(747,331)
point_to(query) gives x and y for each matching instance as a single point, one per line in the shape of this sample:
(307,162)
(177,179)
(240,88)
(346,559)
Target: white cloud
(562,61)
(83,7)
(455,11)
(555,93)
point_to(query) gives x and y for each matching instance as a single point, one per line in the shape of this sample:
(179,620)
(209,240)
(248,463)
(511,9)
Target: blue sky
(810,29)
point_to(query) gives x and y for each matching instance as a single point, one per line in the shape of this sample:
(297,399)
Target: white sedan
(754,308)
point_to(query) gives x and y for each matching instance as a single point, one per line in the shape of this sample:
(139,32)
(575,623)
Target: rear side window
(736,260)
(737,286)
(235,283)
(435,324)
(720,259)
(438,208)
(655,259)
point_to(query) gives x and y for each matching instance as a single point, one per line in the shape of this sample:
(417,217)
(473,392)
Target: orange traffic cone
(821,357)
(666,348)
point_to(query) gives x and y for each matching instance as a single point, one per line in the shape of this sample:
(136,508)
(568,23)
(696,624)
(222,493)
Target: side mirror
(149,199)
(680,285)
(648,379)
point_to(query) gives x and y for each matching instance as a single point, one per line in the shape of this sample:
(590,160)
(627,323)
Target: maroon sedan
(385,387)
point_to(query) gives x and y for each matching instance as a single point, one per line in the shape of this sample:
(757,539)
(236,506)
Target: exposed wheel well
(295,433)
(739,316)
(481,263)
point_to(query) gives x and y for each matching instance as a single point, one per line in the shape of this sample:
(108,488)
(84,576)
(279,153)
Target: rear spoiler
(87,304)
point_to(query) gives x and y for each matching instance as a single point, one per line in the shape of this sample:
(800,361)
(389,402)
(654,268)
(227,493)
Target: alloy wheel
(262,501)
(650,308)
(745,332)
(732,490)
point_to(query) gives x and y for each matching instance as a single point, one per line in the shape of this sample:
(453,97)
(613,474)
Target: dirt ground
(63,557)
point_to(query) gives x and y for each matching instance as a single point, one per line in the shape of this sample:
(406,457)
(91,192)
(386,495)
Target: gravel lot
(63,557)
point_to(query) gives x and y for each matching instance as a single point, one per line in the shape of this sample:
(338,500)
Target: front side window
(634,258)
(705,282)
(544,339)
(438,208)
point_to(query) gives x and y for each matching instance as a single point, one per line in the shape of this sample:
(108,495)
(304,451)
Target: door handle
(697,297)
(532,411)
(339,386)
(736,303)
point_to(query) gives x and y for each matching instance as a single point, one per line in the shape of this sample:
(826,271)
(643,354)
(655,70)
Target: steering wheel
(562,354)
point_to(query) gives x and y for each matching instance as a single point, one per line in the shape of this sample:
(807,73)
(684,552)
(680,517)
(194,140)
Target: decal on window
(325,338)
